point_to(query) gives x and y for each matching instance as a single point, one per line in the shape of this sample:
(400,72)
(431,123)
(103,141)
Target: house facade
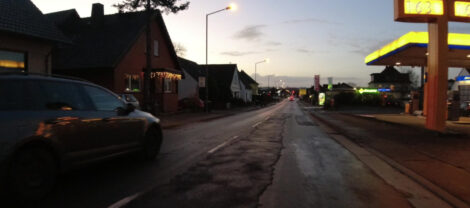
(392,82)
(249,87)
(27,38)
(110,50)
(188,87)
(224,84)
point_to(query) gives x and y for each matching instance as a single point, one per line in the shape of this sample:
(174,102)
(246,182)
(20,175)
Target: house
(249,87)
(189,86)
(224,84)
(392,81)
(27,37)
(110,50)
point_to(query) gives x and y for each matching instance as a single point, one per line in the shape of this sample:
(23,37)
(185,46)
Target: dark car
(49,125)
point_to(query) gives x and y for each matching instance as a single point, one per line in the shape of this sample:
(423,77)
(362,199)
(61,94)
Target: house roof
(191,67)
(104,44)
(24,18)
(221,73)
(62,17)
(390,75)
(246,79)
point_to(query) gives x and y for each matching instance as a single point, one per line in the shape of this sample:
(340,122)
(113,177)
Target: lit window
(167,85)
(10,60)
(155,48)
(132,82)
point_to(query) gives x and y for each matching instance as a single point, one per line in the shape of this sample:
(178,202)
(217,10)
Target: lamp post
(206,101)
(256,64)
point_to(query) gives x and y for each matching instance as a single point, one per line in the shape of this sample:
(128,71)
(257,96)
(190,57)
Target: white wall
(187,87)
(235,86)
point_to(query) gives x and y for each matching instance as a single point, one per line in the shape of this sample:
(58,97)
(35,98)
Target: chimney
(97,14)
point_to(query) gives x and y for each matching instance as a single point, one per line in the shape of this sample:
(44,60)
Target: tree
(150,6)
(166,6)
(180,49)
(414,77)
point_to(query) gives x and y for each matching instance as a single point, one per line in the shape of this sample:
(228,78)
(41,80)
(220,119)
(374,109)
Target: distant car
(129,98)
(49,125)
(291,98)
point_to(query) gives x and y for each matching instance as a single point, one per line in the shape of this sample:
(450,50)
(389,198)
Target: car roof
(38,76)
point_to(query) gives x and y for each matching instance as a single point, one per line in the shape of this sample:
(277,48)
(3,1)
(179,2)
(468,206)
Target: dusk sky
(301,37)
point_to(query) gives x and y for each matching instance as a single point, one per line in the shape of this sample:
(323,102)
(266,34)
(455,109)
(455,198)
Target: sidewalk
(184,118)
(460,127)
(443,161)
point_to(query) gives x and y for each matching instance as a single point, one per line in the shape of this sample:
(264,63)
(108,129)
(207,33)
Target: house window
(10,60)
(132,82)
(167,85)
(155,48)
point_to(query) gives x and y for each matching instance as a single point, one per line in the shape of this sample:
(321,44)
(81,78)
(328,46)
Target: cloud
(238,53)
(273,43)
(307,51)
(311,20)
(368,46)
(302,50)
(250,33)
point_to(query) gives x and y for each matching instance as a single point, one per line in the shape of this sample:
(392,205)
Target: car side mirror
(128,108)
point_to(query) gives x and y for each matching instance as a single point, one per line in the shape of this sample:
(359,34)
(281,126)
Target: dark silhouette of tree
(180,49)
(166,6)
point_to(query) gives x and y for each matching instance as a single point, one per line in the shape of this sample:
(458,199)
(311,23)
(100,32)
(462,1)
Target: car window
(52,95)
(103,100)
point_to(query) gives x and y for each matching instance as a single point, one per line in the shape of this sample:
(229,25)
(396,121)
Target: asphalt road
(315,171)
(104,184)
(272,157)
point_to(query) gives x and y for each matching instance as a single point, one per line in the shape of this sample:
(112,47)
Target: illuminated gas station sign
(429,10)
(462,9)
(459,11)
(368,91)
(418,10)
(424,7)
(463,78)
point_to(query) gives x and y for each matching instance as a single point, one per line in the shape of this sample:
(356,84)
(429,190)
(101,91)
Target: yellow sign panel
(424,7)
(462,9)
(302,92)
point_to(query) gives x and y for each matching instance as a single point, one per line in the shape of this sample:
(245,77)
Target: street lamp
(256,64)
(232,7)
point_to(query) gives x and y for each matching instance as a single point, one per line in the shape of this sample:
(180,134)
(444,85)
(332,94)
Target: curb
(438,191)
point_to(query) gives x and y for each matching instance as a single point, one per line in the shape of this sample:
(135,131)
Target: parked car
(50,125)
(129,98)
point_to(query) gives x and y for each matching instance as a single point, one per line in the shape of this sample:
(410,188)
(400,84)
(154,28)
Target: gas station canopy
(411,50)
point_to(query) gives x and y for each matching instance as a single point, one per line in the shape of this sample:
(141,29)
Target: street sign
(419,10)
(202,82)
(317,83)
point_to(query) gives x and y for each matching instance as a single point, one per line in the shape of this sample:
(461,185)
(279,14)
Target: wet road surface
(315,171)
(104,184)
(272,157)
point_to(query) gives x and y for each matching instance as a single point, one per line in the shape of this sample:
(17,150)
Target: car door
(120,131)
(62,110)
